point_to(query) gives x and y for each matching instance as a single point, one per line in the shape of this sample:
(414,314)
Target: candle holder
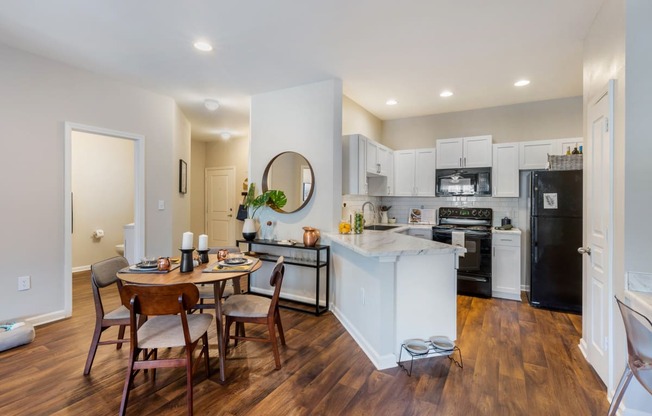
(186,259)
(203,256)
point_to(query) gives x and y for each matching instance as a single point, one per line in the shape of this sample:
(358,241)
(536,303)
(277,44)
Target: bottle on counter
(568,151)
(581,152)
(575,151)
(358,222)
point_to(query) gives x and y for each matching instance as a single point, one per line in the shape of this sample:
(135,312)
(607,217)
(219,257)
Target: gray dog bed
(19,335)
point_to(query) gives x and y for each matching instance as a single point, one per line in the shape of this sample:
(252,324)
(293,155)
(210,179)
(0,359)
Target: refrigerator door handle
(584,250)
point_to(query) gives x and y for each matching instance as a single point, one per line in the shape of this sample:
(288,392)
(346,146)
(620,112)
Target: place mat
(218,268)
(137,270)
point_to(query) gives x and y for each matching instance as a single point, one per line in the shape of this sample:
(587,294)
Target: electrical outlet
(161,204)
(24,283)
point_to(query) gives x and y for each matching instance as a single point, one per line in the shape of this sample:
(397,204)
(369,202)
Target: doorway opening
(75,132)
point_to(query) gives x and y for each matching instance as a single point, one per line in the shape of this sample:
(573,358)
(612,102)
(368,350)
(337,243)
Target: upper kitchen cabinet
(464,152)
(505,172)
(414,172)
(534,154)
(379,159)
(354,165)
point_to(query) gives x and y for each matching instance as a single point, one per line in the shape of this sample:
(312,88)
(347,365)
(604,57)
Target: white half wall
(308,120)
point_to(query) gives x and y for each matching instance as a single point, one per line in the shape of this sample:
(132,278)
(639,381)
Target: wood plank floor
(517,361)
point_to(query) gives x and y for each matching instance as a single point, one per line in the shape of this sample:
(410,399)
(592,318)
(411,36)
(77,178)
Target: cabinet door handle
(465,162)
(460,162)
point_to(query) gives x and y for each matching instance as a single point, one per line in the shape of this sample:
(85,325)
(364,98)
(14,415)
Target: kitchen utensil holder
(203,256)
(431,352)
(186,260)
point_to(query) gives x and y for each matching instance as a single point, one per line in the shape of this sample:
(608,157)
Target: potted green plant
(272,198)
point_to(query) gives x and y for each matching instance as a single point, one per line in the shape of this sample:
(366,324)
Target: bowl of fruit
(345,227)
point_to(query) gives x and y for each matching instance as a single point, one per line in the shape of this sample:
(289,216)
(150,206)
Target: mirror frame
(312,178)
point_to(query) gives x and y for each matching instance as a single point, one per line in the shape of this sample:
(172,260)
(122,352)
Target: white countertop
(512,231)
(391,243)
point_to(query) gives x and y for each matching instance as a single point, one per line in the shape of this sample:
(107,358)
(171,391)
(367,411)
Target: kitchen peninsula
(388,287)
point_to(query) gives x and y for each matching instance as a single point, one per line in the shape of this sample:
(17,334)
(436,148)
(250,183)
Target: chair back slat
(276,281)
(155,300)
(104,273)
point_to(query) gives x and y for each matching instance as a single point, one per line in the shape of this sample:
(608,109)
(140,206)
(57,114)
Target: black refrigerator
(556,234)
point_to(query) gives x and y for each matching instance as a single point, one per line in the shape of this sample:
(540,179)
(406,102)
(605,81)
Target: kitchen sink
(380,227)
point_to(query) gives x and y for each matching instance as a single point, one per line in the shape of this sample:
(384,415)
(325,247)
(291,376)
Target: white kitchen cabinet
(534,154)
(414,172)
(464,152)
(505,173)
(425,233)
(377,158)
(506,265)
(354,168)
(383,185)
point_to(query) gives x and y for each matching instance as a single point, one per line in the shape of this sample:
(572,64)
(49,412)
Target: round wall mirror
(291,173)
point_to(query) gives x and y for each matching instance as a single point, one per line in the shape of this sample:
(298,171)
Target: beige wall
(38,96)
(552,119)
(197,195)
(103,188)
(357,120)
(180,202)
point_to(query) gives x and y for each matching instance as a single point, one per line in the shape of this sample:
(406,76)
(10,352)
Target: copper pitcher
(310,236)
(163,263)
(222,254)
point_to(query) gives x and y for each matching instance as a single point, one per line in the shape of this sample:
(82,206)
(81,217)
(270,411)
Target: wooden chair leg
(227,332)
(281,335)
(121,335)
(93,349)
(189,380)
(272,338)
(205,352)
(128,381)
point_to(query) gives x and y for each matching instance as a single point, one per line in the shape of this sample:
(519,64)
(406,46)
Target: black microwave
(463,182)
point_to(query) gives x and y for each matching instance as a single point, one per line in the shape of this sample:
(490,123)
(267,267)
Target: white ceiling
(409,50)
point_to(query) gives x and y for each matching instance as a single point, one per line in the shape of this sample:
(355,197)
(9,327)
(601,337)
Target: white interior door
(220,206)
(597,269)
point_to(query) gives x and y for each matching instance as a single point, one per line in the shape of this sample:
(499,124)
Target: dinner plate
(442,342)
(147,265)
(416,346)
(136,267)
(244,262)
(235,261)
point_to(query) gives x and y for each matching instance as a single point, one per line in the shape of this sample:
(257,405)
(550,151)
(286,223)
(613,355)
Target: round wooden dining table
(197,276)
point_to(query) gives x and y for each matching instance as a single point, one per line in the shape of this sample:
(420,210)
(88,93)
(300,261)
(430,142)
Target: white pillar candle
(186,242)
(203,242)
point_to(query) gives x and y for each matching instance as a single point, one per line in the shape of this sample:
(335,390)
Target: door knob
(584,250)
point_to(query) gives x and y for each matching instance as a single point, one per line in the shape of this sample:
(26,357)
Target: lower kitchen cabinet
(506,265)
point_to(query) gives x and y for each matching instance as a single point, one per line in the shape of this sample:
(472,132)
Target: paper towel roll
(98,233)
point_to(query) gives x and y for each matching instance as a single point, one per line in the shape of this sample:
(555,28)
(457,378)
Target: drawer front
(501,239)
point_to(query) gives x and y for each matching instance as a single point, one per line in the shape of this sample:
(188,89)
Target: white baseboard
(81,269)
(47,318)
(288,296)
(381,362)
(583,348)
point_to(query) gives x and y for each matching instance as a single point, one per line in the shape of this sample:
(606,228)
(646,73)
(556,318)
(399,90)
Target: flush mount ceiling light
(521,83)
(203,46)
(211,104)
(391,101)
(445,94)
(225,135)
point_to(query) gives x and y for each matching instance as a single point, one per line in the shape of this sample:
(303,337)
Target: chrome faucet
(373,209)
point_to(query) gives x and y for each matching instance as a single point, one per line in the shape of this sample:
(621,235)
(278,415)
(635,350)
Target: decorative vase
(249,229)
(310,236)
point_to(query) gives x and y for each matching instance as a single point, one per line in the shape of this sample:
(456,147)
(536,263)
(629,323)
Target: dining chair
(245,308)
(638,329)
(169,325)
(104,274)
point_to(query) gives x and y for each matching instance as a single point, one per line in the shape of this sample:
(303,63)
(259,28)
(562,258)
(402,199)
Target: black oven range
(473,227)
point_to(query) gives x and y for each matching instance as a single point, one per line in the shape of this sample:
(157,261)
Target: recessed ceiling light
(203,46)
(445,94)
(225,135)
(521,83)
(211,104)
(391,102)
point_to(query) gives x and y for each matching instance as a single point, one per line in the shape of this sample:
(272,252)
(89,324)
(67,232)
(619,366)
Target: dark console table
(321,259)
